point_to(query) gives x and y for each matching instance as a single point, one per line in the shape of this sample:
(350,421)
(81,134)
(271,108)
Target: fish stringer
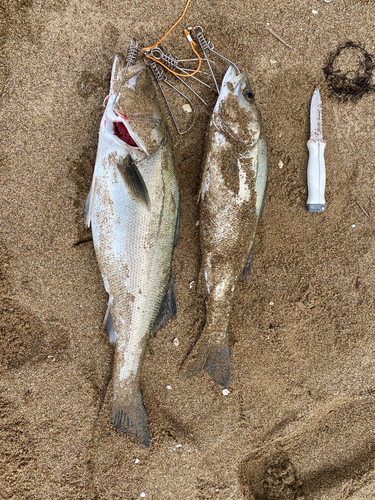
(160,78)
(206,46)
(131,57)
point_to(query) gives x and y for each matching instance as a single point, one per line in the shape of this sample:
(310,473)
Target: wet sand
(299,421)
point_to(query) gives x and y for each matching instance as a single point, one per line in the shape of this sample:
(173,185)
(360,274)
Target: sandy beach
(299,419)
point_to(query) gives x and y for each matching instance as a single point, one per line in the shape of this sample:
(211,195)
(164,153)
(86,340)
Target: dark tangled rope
(345,87)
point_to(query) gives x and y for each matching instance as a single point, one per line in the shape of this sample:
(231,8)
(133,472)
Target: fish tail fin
(208,356)
(218,366)
(132,417)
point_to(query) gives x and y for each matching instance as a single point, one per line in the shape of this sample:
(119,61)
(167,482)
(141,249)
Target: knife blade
(316,171)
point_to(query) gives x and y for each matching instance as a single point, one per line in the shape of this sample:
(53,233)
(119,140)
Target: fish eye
(248,95)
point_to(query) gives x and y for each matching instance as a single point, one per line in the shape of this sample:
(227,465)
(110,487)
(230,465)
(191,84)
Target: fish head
(236,108)
(134,117)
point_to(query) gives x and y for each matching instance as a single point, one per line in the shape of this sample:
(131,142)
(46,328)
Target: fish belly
(228,214)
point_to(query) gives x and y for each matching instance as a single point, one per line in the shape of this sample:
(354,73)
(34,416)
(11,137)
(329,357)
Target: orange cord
(192,44)
(167,33)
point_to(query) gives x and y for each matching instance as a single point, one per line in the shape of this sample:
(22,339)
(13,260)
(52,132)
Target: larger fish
(133,207)
(231,202)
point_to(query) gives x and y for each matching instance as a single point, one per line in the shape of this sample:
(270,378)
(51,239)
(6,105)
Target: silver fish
(231,201)
(133,207)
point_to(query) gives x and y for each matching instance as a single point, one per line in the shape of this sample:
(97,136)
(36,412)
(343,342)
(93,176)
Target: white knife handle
(316,176)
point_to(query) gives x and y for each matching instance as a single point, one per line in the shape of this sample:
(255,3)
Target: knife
(316,170)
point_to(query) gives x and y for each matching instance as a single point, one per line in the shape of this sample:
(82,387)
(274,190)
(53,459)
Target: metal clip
(161,77)
(131,57)
(173,63)
(206,46)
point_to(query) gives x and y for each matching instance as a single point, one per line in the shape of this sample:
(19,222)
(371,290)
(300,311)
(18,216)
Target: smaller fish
(231,201)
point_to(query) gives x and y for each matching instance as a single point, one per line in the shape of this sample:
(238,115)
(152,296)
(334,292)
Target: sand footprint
(335,443)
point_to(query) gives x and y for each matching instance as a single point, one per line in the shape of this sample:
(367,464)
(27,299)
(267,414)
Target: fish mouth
(117,123)
(232,77)
(121,131)
(132,118)
(239,81)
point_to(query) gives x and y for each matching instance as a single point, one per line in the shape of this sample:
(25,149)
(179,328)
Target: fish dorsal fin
(167,309)
(133,181)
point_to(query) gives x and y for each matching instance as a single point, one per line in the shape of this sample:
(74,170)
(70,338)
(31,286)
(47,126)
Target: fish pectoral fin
(262,174)
(133,181)
(132,417)
(168,308)
(207,356)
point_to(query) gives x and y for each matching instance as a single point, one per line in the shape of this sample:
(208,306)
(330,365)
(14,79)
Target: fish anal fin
(132,417)
(89,207)
(247,266)
(134,181)
(168,308)
(177,222)
(109,326)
